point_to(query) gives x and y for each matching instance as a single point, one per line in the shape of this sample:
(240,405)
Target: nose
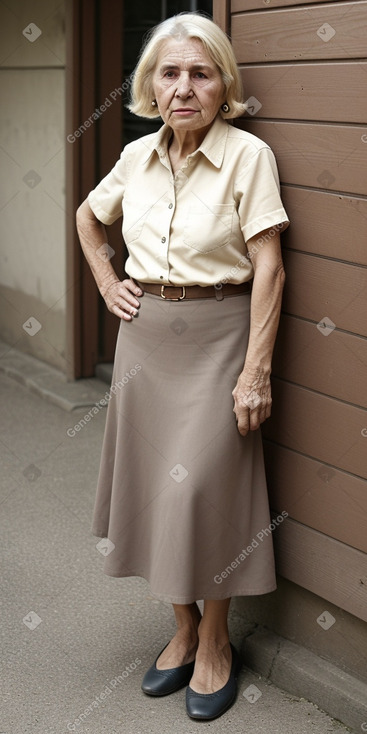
(184,85)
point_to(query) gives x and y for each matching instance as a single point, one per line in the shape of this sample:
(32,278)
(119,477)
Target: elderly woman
(181,493)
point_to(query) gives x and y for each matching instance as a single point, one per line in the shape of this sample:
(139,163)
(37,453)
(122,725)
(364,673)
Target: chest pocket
(208,227)
(134,218)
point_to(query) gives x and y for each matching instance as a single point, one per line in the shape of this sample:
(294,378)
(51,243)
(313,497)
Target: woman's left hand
(252,399)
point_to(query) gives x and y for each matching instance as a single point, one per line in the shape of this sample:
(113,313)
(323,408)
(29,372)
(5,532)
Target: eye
(169,74)
(200,75)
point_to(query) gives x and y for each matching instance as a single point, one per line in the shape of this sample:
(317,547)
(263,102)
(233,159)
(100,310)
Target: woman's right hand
(120,298)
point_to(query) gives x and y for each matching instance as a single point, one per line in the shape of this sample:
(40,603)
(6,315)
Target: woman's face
(187,85)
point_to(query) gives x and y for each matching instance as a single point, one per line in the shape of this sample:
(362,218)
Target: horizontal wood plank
(326,499)
(325,92)
(331,31)
(239,6)
(322,565)
(332,157)
(318,426)
(317,288)
(305,356)
(326,224)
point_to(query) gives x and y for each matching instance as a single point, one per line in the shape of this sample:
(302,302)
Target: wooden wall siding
(322,565)
(305,63)
(322,497)
(307,91)
(322,156)
(334,365)
(317,287)
(312,213)
(324,428)
(237,6)
(291,34)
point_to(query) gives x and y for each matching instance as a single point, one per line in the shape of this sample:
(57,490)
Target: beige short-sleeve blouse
(192,227)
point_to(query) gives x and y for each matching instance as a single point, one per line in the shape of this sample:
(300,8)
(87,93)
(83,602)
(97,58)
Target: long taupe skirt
(181,494)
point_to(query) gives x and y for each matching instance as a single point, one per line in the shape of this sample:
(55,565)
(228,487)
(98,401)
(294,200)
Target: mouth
(184,111)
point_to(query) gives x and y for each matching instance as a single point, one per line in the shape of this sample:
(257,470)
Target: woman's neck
(183,143)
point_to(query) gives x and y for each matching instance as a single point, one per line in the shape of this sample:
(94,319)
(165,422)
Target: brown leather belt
(185,292)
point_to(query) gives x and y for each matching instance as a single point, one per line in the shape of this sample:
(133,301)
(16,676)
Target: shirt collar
(213,145)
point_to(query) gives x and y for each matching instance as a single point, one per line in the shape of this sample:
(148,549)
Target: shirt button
(170,206)
(161,277)
(163,239)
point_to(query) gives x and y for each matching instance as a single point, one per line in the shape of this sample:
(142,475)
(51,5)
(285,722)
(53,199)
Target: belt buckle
(180,298)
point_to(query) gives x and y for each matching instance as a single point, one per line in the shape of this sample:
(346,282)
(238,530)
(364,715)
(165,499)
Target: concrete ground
(76,643)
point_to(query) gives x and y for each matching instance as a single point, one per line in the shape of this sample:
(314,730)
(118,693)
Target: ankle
(213,637)
(188,633)
(188,622)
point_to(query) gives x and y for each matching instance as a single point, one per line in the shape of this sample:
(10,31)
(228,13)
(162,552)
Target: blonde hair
(215,42)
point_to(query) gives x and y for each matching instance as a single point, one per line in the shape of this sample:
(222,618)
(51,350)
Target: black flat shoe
(212,705)
(162,682)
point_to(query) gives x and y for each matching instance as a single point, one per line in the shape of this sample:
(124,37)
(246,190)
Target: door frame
(94,68)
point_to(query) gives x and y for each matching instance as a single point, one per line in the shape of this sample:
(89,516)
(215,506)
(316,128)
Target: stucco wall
(32,198)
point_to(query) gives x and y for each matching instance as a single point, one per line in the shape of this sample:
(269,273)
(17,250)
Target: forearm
(92,236)
(266,302)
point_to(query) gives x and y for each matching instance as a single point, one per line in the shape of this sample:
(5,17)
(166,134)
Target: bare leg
(213,657)
(183,646)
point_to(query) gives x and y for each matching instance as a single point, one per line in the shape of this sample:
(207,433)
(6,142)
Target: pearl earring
(225,107)
(154,103)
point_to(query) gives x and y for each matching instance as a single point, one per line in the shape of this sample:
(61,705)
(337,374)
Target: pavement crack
(273,660)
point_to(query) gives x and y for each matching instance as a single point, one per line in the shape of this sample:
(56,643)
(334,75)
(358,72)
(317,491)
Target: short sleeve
(258,191)
(106,199)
